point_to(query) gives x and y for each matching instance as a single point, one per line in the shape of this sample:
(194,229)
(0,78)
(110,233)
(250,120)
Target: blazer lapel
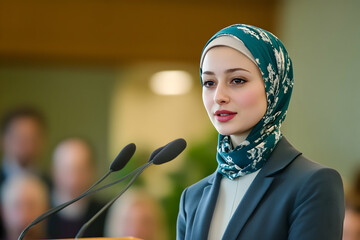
(247,205)
(206,208)
(282,156)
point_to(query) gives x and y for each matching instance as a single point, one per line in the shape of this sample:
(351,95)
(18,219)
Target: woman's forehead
(223,58)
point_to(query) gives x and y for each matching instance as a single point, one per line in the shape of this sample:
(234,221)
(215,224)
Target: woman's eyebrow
(208,73)
(230,70)
(236,69)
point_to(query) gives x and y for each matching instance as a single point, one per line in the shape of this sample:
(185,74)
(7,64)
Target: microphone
(170,151)
(155,152)
(159,156)
(176,145)
(117,164)
(123,158)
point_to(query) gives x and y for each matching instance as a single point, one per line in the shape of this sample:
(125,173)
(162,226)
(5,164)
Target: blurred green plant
(200,161)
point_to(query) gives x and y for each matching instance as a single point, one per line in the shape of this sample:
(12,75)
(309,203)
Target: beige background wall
(323,39)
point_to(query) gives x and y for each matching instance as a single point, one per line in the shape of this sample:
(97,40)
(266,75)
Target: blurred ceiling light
(171,82)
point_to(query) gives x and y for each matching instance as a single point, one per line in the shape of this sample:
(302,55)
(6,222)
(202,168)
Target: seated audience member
(22,142)
(73,172)
(138,215)
(23,199)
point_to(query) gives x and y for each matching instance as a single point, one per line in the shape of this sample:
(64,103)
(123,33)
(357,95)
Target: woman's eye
(208,83)
(238,81)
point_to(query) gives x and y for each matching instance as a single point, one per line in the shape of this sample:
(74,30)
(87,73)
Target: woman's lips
(224,115)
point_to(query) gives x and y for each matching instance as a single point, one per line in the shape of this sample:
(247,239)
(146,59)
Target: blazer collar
(281,157)
(283,154)
(206,207)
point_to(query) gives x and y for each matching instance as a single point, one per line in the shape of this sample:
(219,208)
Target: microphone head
(170,151)
(123,157)
(155,152)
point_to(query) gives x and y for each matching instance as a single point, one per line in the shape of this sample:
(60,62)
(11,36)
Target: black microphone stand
(87,224)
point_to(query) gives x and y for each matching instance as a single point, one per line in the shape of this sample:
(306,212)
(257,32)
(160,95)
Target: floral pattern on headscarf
(276,68)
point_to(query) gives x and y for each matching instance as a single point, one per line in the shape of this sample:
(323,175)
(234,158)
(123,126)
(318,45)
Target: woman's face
(233,92)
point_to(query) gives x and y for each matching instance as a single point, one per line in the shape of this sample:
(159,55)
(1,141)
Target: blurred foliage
(200,162)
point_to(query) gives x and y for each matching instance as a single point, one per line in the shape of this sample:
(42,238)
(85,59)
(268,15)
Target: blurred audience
(138,215)
(23,198)
(22,140)
(22,143)
(73,171)
(352,211)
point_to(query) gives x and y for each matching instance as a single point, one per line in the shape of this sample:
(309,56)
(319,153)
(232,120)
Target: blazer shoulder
(302,166)
(311,180)
(195,191)
(301,173)
(286,159)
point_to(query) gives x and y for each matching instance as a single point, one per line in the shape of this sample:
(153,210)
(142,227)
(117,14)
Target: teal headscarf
(275,65)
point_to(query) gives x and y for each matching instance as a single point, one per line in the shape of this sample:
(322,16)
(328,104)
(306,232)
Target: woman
(263,187)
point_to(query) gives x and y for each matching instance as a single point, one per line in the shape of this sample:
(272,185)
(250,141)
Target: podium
(100,238)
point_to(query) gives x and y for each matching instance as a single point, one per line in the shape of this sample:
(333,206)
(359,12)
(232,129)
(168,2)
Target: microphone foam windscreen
(123,157)
(155,152)
(170,151)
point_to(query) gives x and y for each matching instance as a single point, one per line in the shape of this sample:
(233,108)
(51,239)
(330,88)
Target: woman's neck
(238,139)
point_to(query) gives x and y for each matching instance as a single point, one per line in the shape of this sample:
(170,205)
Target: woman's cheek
(254,102)
(248,99)
(207,100)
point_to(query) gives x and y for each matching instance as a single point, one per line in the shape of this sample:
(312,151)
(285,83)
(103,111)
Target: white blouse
(230,194)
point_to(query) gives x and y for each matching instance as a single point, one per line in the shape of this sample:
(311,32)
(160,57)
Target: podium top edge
(98,238)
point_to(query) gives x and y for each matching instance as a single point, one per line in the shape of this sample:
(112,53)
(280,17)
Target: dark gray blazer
(290,198)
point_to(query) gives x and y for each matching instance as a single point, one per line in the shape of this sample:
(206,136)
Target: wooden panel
(119,31)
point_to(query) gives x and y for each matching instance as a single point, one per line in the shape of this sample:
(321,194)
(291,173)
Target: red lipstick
(224,115)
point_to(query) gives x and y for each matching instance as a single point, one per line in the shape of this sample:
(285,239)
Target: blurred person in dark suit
(23,198)
(73,172)
(22,142)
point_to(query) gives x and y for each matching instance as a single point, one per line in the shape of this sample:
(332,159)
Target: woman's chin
(226,133)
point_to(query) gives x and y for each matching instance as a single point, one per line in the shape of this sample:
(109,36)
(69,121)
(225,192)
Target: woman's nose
(221,95)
